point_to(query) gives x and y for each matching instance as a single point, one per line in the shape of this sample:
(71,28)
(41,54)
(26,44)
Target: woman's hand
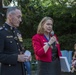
(52,40)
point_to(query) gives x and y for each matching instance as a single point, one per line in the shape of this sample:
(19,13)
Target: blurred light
(13,3)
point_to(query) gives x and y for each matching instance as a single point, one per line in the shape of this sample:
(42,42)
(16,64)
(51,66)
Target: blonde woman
(46,48)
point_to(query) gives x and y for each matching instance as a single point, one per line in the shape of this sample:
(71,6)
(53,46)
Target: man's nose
(20,19)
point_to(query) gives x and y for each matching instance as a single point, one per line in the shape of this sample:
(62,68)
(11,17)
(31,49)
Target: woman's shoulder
(37,35)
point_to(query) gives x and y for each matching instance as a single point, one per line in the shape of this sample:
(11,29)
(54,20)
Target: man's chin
(16,25)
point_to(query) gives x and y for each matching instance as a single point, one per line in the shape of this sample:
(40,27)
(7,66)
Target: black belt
(8,64)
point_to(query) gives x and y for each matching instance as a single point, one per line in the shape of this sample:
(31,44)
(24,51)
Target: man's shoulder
(1,31)
(1,28)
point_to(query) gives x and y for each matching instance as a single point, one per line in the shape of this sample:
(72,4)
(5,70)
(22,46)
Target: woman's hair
(40,29)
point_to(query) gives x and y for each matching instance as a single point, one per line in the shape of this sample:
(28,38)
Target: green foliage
(6,2)
(64,19)
(67,41)
(64,16)
(28,46)
(27,43)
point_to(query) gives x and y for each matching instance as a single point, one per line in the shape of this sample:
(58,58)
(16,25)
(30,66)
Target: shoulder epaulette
(1,28)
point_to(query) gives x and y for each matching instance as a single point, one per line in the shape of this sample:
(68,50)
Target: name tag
(9,36)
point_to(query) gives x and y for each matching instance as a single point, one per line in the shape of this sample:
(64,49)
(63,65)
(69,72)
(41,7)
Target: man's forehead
(18,12)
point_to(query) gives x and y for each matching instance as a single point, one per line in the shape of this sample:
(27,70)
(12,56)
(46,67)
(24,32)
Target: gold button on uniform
(14,31)
(19,49)
(17,43)
(10,41)
(9,64)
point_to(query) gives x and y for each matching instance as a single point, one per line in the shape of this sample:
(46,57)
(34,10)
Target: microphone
(52,33)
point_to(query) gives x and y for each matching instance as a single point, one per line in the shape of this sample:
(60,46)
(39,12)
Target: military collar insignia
(1,28)
(11,28)
(8,27)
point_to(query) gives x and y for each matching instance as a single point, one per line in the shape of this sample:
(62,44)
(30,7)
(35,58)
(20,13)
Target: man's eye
(48,24)
(19,16)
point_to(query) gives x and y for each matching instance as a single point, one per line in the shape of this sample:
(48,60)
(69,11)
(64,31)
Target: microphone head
(52,32)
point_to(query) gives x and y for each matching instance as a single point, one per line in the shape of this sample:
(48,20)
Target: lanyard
(47,38)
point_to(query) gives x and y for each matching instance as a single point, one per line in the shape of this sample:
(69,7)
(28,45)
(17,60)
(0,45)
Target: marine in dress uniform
(10,47)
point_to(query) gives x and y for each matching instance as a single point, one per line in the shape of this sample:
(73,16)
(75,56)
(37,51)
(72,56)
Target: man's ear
(9,16)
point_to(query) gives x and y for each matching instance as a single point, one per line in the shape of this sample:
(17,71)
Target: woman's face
(48,25)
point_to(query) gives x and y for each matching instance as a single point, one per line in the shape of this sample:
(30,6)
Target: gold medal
(20,37)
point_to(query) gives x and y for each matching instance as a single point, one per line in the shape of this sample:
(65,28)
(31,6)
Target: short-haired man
(11,52)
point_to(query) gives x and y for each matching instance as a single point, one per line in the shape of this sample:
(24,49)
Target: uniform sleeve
(38,47)
(6,58)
